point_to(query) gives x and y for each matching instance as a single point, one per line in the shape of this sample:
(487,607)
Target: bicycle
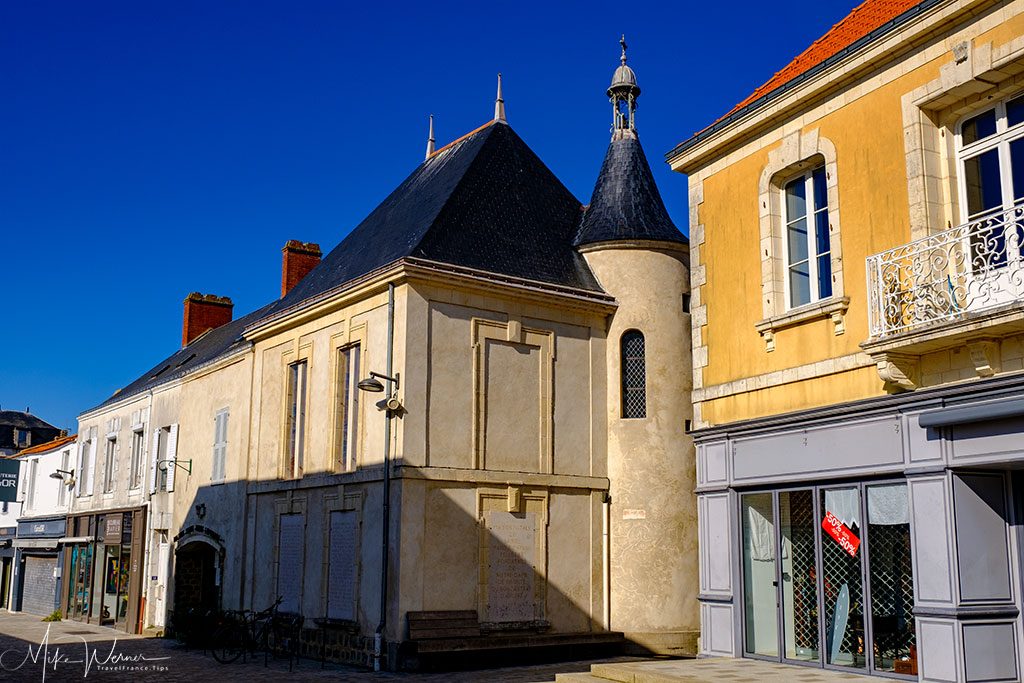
(245,631)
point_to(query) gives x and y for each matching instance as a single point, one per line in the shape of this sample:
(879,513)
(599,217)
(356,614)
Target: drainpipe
(606,579)
(378,639)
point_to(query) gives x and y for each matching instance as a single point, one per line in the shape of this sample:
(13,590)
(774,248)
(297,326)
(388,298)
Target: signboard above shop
(9,480)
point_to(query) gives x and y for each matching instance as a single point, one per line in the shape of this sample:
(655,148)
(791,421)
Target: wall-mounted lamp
(61,474)
(373,384)
(187,465)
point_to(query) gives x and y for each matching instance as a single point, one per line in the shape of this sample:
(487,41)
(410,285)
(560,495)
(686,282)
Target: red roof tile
(46,447)
(865,18)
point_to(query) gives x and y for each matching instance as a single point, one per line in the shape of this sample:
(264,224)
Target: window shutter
(116,465)
(220,438)
(90,464)
(22,479)
(80,469)
(215,464)
(172,454)
(152,461)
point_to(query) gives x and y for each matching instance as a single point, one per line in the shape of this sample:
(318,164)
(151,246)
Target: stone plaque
(290,561)
(511,566)
(341,576)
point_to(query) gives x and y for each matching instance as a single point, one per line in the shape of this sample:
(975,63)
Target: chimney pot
(298,258)
(204,312)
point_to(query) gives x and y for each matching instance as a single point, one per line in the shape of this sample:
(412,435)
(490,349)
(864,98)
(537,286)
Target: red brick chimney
(204,312)
(298,259)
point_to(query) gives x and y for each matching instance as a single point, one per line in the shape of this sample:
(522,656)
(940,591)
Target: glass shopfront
(816,561)
(104,564)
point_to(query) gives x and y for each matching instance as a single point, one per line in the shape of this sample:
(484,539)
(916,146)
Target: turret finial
(499,104)
(623,93)
(430,138)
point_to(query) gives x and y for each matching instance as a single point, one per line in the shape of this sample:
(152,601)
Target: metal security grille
(634,375)
(892,593)
(40,585)
(797,520)
(841,570)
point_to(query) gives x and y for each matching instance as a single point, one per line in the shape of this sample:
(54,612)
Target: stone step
(579,678)
(629,672)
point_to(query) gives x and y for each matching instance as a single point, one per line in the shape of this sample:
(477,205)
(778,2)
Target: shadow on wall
(509,573)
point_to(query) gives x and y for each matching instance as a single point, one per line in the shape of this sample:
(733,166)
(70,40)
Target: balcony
(963,287)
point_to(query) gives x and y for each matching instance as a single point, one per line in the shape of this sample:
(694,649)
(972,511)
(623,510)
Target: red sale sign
(841,533)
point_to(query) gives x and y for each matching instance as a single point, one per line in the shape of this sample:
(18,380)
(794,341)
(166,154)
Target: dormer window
(22,438)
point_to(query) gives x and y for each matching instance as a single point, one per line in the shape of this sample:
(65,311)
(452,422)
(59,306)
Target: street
(81,651)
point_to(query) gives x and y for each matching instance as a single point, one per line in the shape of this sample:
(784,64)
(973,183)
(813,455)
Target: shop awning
(995,410)
(77,539)
(48,543)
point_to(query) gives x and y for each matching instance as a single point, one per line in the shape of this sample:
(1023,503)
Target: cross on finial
(622,42)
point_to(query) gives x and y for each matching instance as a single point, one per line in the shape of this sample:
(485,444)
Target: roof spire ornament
(430,138)
(623,94)
(499,104)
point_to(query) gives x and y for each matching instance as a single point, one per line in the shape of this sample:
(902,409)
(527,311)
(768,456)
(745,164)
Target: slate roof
(626,204)
(206,348)
(859,24)
(11,420)
(485,201)
(22,420)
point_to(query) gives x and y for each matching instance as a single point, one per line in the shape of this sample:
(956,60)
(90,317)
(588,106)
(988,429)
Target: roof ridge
(870,14)
(51,445)
(460,139)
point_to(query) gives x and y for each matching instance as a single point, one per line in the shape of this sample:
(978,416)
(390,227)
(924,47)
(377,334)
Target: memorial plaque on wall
(341,577)
(290,558)
(511,566)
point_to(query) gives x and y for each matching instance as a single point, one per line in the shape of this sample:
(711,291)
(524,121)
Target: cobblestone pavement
(84,652)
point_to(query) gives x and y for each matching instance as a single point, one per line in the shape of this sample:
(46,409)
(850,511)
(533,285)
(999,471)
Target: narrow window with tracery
(634,375)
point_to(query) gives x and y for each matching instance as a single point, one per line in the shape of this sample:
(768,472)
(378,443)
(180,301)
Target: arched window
(634,375)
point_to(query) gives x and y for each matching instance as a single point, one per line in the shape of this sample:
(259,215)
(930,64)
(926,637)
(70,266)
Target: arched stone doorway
(197,571)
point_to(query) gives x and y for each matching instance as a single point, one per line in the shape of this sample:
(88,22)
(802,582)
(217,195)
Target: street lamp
(373,385)
(66,477)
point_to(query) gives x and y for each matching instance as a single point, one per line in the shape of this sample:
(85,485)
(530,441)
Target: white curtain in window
(844,504)
(888,504)
(760,535)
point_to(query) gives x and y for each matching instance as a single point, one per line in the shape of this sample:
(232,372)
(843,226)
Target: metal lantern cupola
(623,93)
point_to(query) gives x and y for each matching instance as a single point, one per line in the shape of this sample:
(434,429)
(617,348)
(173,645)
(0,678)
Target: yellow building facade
(855,270)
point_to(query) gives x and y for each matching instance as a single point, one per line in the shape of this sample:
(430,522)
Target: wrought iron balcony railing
(944,277)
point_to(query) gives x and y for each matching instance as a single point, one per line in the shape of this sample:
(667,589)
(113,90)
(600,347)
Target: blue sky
(148,150)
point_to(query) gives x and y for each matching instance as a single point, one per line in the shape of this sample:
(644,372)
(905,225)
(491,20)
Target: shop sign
(46,527)
(841,533)
(9,480)
(112,529)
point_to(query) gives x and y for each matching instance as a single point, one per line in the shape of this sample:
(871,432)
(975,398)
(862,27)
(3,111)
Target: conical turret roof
(626,204)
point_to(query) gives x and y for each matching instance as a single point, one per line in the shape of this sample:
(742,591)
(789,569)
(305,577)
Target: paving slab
(716,669)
